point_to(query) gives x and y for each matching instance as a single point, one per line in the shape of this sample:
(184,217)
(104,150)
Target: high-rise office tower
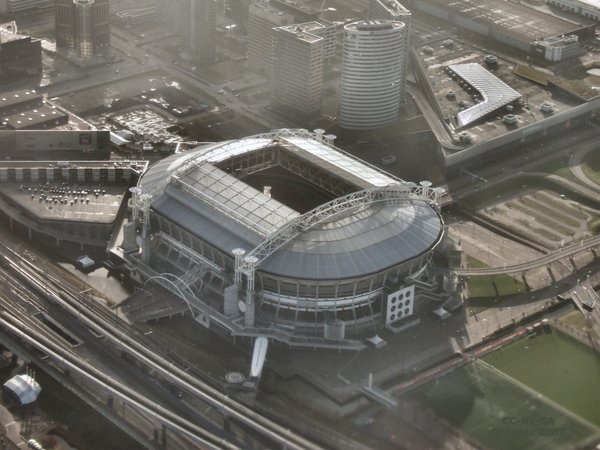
(298,69)
(195,21)
(200,31)
(83,26)
(393,10)
(238,9)
(262,18)
(371,74)
(171,13)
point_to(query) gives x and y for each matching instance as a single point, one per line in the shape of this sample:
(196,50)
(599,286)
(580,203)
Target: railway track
(103,322)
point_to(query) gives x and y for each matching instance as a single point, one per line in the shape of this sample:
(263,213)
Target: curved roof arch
(384,223)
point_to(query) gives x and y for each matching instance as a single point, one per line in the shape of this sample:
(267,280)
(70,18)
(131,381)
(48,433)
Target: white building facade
(298,69)
(262,19)
(372,68)
(394,10)
(585,8)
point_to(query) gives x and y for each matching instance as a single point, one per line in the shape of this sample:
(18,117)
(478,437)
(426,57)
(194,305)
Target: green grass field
(487,286)
(503,412)
(591,166)
(558,367)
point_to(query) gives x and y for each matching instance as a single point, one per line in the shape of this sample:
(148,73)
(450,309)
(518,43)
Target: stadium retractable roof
(343,165)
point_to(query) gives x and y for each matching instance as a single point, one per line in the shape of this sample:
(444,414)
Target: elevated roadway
(583,245)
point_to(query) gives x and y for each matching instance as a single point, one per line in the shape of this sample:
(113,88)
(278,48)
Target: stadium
(283,236)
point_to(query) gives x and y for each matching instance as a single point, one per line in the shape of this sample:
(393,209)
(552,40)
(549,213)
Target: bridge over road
(546,260)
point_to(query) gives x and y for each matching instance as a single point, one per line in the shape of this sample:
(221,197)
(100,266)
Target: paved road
(575,164)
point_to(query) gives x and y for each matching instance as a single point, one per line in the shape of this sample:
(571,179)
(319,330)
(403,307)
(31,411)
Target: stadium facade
(247,264)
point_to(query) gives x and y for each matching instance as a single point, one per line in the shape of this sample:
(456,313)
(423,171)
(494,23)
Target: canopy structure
(24,387)
(495,92)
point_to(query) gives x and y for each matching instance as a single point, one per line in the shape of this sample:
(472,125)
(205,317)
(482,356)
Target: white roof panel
(345,166)
(236,199)
(495,92)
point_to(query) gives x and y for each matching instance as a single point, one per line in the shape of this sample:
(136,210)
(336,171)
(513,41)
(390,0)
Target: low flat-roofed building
(66,202)
(586,8)
(20,7)
(137,16)
(55,145)
(41,117)
(542,113)
(510,23)
(11,102)
(301,11)
(32,127)
(558,48)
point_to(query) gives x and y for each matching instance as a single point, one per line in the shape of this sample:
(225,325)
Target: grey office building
(83,26)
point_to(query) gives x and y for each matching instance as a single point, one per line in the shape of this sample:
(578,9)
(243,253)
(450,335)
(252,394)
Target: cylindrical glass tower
(371,74)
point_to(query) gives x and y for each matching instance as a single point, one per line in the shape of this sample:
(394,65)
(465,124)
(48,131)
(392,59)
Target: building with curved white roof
(245,262)
(494,92)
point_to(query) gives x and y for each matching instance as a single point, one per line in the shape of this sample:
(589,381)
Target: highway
(102,322)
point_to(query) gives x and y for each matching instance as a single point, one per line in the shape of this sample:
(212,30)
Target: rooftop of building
(301,33)
(297,5)
(137,166)
(495,93)
(591,3)
(74,202)
(452,97)
(371,25)
(8,33)
(96,202)
(394,7)
(313,25)
(268,11)
(42,116)
(521,22)
(10,100)
(559,41)
(28,109)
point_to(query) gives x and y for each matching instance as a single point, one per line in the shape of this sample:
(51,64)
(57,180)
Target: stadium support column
(250,263)
(230,304)
(141,212)
(238,253)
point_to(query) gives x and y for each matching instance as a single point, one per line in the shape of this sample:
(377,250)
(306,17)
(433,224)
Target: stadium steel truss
(245,263)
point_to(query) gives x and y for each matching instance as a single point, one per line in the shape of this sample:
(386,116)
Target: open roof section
(495,92)
(312,147)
